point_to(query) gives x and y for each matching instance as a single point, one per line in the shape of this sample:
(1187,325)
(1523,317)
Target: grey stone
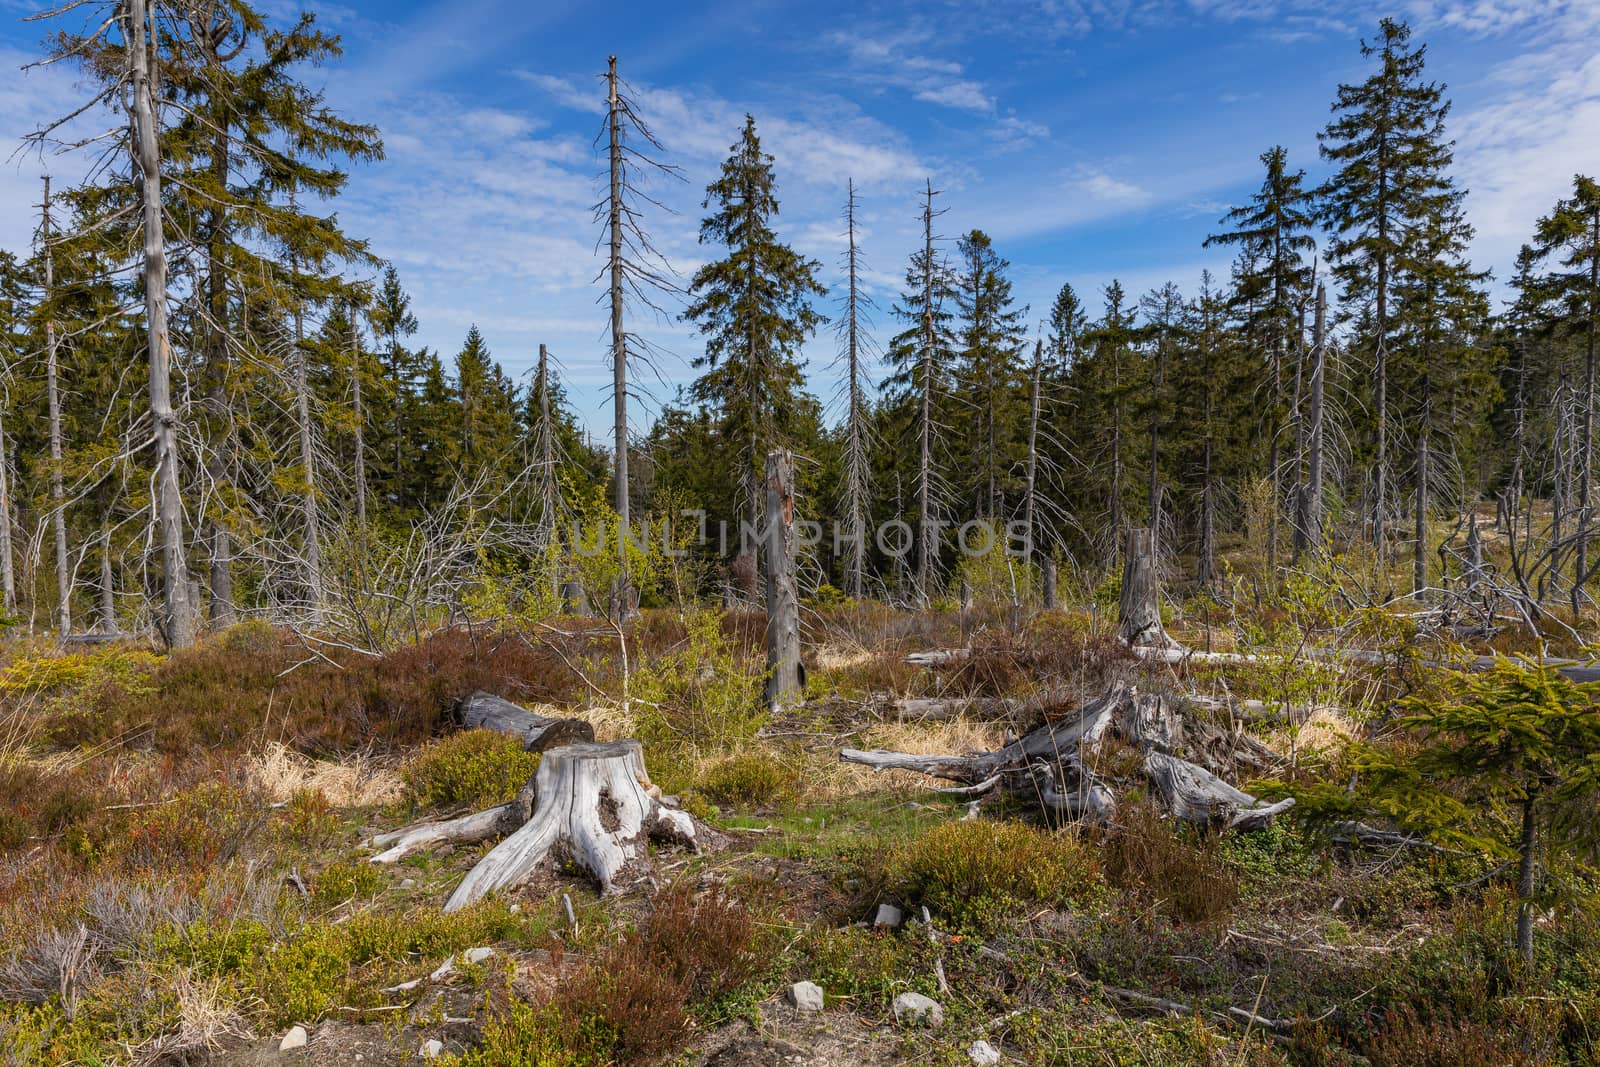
(295,1038)
(983,1054)
(917,1009)
(477,955)
(432,1049)
(806,996)
(889,915)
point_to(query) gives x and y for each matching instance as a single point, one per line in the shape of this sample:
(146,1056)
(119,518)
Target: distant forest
(212,407)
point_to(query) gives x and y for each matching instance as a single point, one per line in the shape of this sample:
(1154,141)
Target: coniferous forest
(1199,675)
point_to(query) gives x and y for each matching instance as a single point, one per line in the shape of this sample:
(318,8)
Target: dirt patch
(785,1038)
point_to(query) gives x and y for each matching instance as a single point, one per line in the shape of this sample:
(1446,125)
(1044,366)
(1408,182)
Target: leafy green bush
(975,873)
(703,693)
(750,779)
(478,768)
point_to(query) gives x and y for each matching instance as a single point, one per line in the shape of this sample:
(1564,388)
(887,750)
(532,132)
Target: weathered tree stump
(786,674)
(487,711)
(588,802)
(1141,594)
(595,802)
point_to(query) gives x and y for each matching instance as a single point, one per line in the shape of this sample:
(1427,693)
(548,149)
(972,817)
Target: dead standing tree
(786,674)
(52,371)
(635,270)
(856,348)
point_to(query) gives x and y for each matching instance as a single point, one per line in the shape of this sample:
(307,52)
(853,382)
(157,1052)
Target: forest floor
(183,878)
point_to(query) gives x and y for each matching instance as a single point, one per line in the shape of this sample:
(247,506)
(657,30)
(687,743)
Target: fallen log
(1185,761)
(480,710)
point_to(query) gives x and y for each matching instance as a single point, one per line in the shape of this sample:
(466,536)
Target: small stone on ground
(295,1038)
(983,1054)
(806,996)
(889,915)
(432,1049)
(918,1010)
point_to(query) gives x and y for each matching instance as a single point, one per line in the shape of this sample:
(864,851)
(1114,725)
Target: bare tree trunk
(786,675)
(1419,552)
(108,588)
(544,442)
(310,509)
(856,460)
(1312,500)
(356,375)
(1154,505)
(58,496)
(178,608)
(8,573)
(619,343)
(926,546)
(1141,593)
(1030,477)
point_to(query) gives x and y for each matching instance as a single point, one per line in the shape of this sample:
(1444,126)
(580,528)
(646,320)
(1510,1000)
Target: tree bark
(1312,499)
(356,375)
(310,510)
(856,459)
(58,496)
(108,589)
(786,674)
(1141,593)
(177,607)
(926,546)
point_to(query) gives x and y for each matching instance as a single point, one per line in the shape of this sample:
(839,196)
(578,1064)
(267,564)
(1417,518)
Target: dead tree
(786,674)
(1141,593)
(854,342)
(52,372)
(1309,527)
(1063,765)
(927,539)
(357,373)
(178,608)
(8,573)
(634,270)
(1031,471)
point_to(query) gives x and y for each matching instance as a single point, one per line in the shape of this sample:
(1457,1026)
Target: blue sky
(1090,138)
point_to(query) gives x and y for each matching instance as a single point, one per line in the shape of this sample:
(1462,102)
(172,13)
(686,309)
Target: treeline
(1350,383)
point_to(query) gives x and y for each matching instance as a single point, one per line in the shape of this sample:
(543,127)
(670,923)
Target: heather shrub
(978,872)
(1184,876)
(477,768)
(749,780)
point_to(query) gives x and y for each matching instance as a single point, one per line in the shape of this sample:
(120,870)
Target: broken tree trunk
(786,675)
(1141,594)
(595,802)
(487,711)
(1060,764)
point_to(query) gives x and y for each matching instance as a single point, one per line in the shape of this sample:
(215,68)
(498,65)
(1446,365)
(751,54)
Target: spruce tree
(989,334)
(1388,146)
(754,309)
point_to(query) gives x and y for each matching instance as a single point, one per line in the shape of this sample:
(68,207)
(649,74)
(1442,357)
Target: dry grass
(360,781)
(1327,730)
(919,739)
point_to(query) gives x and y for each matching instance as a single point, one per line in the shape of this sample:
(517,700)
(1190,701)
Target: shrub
(631,1003)
(1410,1040)
(750,779)
(702,693)
(1188,880)
(977,872)
(479,768)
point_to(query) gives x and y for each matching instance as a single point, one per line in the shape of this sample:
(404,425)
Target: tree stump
(595,802)
(589,803)
(786,674)
(1141,594)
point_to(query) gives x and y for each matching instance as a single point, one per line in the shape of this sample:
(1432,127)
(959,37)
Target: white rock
(805,996)
(983,1054)
(295,1038)
(432,1049)
(477,955)
(407,883)
(889,915)
(918,1010)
